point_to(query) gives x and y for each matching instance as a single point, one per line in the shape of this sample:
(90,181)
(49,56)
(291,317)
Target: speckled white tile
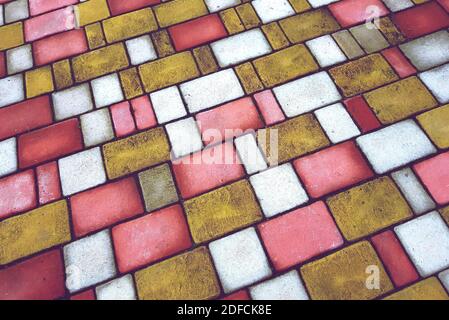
(184,136)
(89,261)
(217,5)
(96,127)
(8,156)
(437,80)
(337,123)
(239,259)
(167,104)
(12,90)
(319,3)
(117,289)
(16,10)
(426,240)
(250,154)
(271,10)
(19,59)
(107,90)
(2,21)
(141,50)
(395,146)
(285,287)
(326,51)
(398,5)
(72,102)
(444,278)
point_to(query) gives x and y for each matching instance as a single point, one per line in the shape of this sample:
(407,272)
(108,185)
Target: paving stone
(348,44)
(17,194)
(398,5)
(96,127)
(119,7)
(167,104)
(8,156)
(369,37)
(270,11)
(326,51)
(285,287)
(72,102)
(107,90)
(399,62)
(38,82)
(141,50)
(218,5)
(275,36)
(95,35)
(16,10)
(118,289)
(12,89)
(178,11)
(92,11)
(250,154)
(12,35)
(428,289)
(63,74)
(434,124)
(184,137)
(122,118)
(48,182)
(444,278)
(19,59)
(435,81)
(351,12)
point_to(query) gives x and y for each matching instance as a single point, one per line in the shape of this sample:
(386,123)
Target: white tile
(141,50)
(429,51)
(199,94)
(285,287)
(239,259)
(444,278)
(217,5)
(19,59)
(235,49)
(326,51)
(395,146)
(11,89)
(72,102)
(96,127)
(81,171)
(16,10)
(250,154)
(184,136)
(307,94)
(8,156)
(89,261)
(278,189)
(319,3)
(271,10)
(413,191)
(426,240)
(107,90)
(398,5)
(117,289)
(2,21)
(167,104)
(337,123)
(437,80)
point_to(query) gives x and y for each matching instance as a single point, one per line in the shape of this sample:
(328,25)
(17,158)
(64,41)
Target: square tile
(437,82)
(16,10)
(184,136)
(337,123)
(12,90)
(271,10)
(8,156)
(218,5)
(96,127)
(19,59)
(326,51)
(141,50)
(72,102)
(369,37)
(118,289)
(107,90)
(250,154)
(398,5)
(167,104)
(285,287)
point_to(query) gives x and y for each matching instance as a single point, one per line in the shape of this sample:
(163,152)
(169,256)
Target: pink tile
(122,119)
(239,295)
(269,108)
(143,113)
(444,4)
(399,62)
(362,114)
(2,64)
(351,12)
(48,182)
(41,6)
(49,23)
(84,296)
(17,194)
(123,6)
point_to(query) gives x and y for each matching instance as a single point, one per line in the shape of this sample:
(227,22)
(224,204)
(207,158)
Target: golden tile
(38,81)
(248,77)
(248,16)
(162,43)
(275,36)
(428,289)
(11,36)
(348,44)
(131,83)
(94,35)
(436,124)
(389,30)
(91,11)
(205,59)
(445,214)
(63,74)
(300,5)
(178,11)
(231,21)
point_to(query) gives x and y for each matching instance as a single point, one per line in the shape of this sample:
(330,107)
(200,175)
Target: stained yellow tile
(11,35)
(91,11)
(309,25)
(177,11)
(63,74)
(168,71)
(248,16)
(275,36)
(285,65)
(38,81)
(231,21)
(436,125)
(445,214)
(348,44)
(389,30)
(344,275)
(136,152)
(99,62)
(300,5)
(400,100)
(34,231)
(94,35)
(129,25)
(189,276)
(428,289)
(131,83)
(162,43)
(368,208)
(205,59)
(248,77)
(362,75)
(222,211)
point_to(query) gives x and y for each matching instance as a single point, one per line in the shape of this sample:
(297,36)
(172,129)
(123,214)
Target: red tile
(400,268)
(121,6)
(49,143)
(351,12)
(143,113)
(434,173)
(332,169)
(228,121)
(49,23)
(362,114)
(239,295)
(444,4)
(2,64)
(150,238)
(300,235)
(17,193)
(41,6)
(38,278)
(59,46)
(399,62)
(122,119)
(269,108)
(207,169)
(421,20)
(197,32)
(85,295)
(25,116)
(48,182)
(103,206)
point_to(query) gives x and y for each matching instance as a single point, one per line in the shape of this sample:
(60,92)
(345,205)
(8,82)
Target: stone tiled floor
(102,102)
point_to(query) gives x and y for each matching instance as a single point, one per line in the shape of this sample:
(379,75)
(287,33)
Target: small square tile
(107,90)
(167,104)
(271,10)
(72,102)
(118,289)
(250,154)
(436,81)
(141,50)
(326,51)
(19,59)
(285,287)
(96,127)
(337,123)
(12,90)
(16,10)
(184,136)
(8,156)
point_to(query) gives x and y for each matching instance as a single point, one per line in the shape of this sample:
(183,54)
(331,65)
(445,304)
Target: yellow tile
(94,35)
(91,11)
(347,44)
(296,137)
(344,275)
(177,11)
(129,25)
(248,16)
(300,5)
(168,71)
(275,36)
(222,211)
(248,77)
(38,81)
(136,152)
(428,289)
(34,231)
(11,35)
(231,21)
(285,65)
(189,276)
(368,208)
(400,100)
(99,62)
(131,83)
(205,59)
(436,125)
(162,43)
(445,214)
(362,75)
(63,74)
(389,30)
(309,25)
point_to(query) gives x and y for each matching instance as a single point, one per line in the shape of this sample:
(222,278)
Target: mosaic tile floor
(210,149)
